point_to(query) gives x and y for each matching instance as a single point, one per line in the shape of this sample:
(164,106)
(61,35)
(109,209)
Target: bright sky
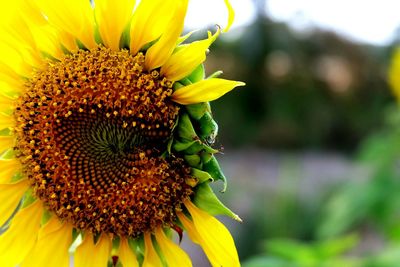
(373,21)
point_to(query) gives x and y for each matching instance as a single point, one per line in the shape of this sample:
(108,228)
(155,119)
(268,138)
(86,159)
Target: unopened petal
(204,91)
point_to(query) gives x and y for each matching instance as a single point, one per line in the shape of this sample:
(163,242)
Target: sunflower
(106,136)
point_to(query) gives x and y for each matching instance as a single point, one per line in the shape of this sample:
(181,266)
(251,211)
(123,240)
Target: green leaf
(206,200)
(182,145)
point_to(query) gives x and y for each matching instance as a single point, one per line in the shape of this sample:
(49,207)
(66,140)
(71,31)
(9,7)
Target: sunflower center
(91,131)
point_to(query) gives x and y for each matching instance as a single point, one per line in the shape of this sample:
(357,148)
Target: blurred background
(311,144)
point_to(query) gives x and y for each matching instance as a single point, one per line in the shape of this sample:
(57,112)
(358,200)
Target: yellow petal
(159,53)
(126,255)
(73,16)
(204,91)
(84,253)
(48,41)
(6,142)
(215,239)
(173,254)
(231,15)
(19,239)
(187,58)
(151,259)
(8,167)
(51,249)
(394,73)
(6,121)
(112,17)
(10,196)
(11,57)
(149,22)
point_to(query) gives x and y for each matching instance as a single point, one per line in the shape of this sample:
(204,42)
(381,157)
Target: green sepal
(185,81)
(8,154)
(208,128)
(205,199)
(215,74)
(115,244)
(177,85)
(125,40)
(198,147)
(180,146)
(197,111)
(198,74)
(193,161)
(213,168)
(29,198)
(185,128)
(45,217)
(205,156)
(202,176)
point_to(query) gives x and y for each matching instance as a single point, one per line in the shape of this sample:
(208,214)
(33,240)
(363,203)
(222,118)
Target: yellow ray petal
(11,57)
(8,167)
(159,53)
(149,22)
(51,249)
(126,255)
(231,15)
(19,239)
(214,237)
(187,58)
(6,142)
(173,254)
(204,91)
(112,17)
(10,196)
(394,73)
(151,259)
(84,253)
(6,121)
(73,16)
(48,41)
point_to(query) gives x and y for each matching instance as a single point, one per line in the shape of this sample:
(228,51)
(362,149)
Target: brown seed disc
(91,129)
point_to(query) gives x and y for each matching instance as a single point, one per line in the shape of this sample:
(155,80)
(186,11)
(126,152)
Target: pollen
(79,144)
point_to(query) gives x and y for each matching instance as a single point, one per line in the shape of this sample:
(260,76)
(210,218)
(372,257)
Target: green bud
(213,168)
